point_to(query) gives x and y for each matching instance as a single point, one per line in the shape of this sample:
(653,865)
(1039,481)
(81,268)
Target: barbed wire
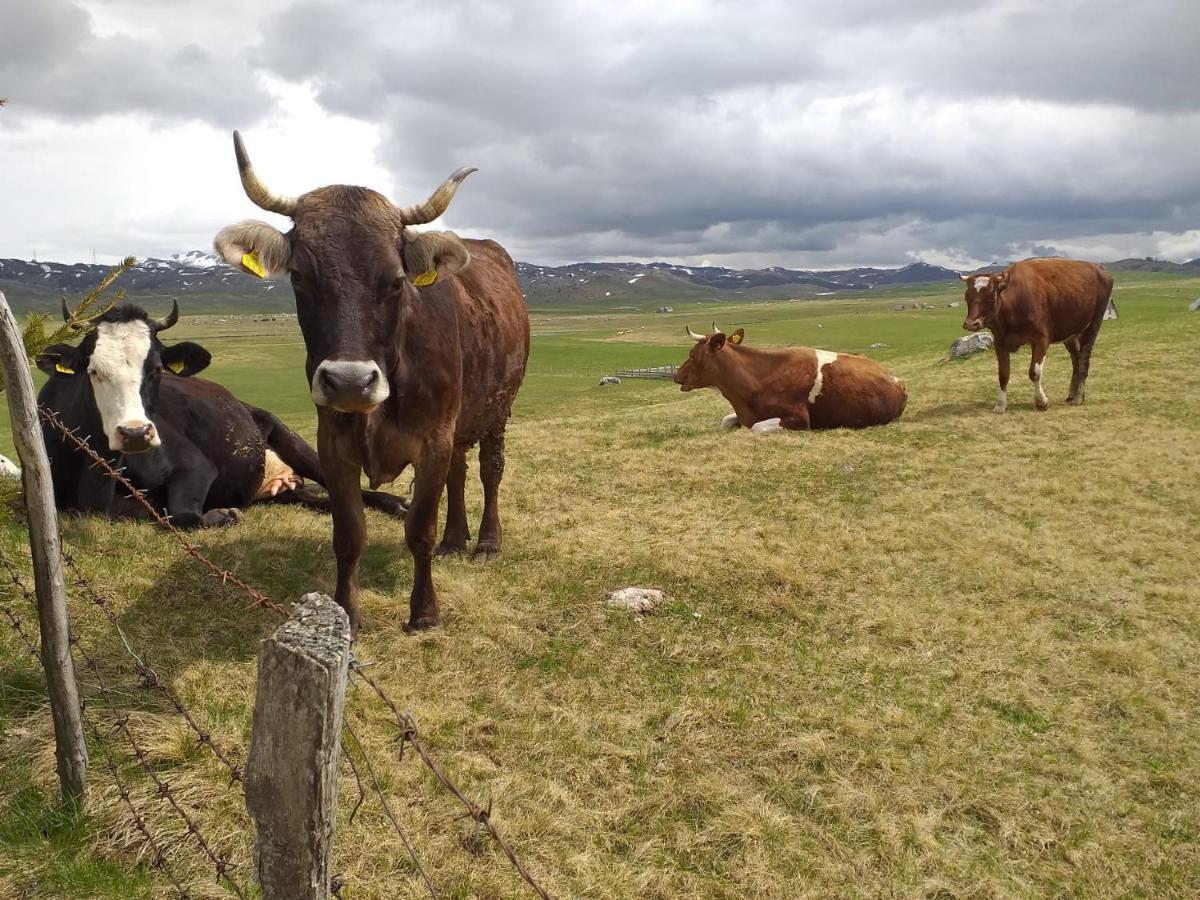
(226,577)
(386,806)
(121,723)
(15,622)
(147,677)
(481,815)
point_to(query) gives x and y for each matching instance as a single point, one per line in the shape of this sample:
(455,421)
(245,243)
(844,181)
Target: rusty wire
(481,815)
(386,806)
(15,619)
(98,461)
(121,723)
(146,676)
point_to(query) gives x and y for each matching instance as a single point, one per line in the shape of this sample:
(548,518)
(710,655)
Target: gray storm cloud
(748,132)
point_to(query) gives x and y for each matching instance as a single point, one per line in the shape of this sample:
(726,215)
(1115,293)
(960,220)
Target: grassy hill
(953,656)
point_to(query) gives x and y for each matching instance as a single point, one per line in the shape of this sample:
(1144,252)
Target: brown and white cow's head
(983,298)
(353,263)
(704,365)
(122,360)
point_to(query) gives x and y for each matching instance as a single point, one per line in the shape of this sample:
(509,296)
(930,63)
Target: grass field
(953,657)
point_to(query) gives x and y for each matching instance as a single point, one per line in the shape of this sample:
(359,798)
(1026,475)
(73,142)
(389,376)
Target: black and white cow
(189,444)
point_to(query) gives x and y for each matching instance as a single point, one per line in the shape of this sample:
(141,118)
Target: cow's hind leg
(1038,358)
(456,534)
(1072,345)
(491,470)
(1087,341)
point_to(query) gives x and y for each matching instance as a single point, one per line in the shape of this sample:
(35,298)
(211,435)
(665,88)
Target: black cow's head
(354,264)
(983,298)
(123,360)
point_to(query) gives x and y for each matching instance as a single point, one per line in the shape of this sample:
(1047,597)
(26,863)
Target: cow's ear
(1002,281)
(59,359)
(738,336)
(185,358)
(716,341)
(254,247)
(432,255)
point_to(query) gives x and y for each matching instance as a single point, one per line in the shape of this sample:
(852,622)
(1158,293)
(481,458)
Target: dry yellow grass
(952,657)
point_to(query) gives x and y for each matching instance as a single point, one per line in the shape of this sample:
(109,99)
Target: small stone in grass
(636,599)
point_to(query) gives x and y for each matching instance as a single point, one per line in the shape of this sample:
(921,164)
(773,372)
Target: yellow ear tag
(735,339)
(251,263)
(425,279)
(176,366)
(66,370)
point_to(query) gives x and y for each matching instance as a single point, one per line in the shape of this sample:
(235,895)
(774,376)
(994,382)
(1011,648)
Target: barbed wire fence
(146,678)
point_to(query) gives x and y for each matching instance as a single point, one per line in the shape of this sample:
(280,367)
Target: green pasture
(955,656)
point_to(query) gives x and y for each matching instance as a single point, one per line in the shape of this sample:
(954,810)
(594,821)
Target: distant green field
(955,656)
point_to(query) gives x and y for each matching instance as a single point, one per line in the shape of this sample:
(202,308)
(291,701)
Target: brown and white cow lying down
(795,387)
(1040,302)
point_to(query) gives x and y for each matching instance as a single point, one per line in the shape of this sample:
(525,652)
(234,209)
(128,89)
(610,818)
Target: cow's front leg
(1003,363)
(342,480)
(1035,374)
(456,535)
(420,533)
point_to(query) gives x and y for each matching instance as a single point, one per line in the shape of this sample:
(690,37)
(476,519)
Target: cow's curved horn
(68,316)
(171,319)
(693,335)
(717,330)
(437,202)
(255,189)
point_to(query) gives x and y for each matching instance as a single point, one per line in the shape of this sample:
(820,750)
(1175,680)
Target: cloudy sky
(733,132)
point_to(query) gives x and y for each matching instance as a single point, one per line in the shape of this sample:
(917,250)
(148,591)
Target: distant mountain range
(204,284)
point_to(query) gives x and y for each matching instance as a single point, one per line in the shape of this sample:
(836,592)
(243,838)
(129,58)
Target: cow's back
(1059,298)
(493,324)
(203,417)
(856,392)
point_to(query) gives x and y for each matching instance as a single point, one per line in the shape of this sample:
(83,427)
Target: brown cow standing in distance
(416,343)
(796,387)
(1040,302)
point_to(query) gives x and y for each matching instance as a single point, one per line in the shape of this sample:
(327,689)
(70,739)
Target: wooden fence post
(70,748)
(292,766)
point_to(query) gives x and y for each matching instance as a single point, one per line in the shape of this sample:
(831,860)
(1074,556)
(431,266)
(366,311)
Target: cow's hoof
(422,623)
(1042,407)
(1000,408)
(1075,401)
(486,553)
(767,426)
(220,518)
(451,551)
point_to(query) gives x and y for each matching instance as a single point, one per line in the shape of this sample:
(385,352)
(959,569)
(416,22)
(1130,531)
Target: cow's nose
(349,385)
(971,324)
(135,438)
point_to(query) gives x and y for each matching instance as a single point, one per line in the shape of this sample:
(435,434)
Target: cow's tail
(296,452)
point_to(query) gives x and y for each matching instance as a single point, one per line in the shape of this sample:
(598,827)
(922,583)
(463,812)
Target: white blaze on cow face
(981,282)
(824,358)
(116,370)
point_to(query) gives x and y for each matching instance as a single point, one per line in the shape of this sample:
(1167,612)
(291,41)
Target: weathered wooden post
(292,766)
(70,749)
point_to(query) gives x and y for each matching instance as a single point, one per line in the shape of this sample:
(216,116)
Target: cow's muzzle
(137,437)
(972,324)
(349,385)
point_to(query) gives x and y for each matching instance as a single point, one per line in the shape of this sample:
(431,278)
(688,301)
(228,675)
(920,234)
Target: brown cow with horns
(417,345)
(1040,302)
(794,387)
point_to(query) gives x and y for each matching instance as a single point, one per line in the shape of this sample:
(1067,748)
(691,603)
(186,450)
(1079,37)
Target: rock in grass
(1194,306)
(636,599)
(970,343)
